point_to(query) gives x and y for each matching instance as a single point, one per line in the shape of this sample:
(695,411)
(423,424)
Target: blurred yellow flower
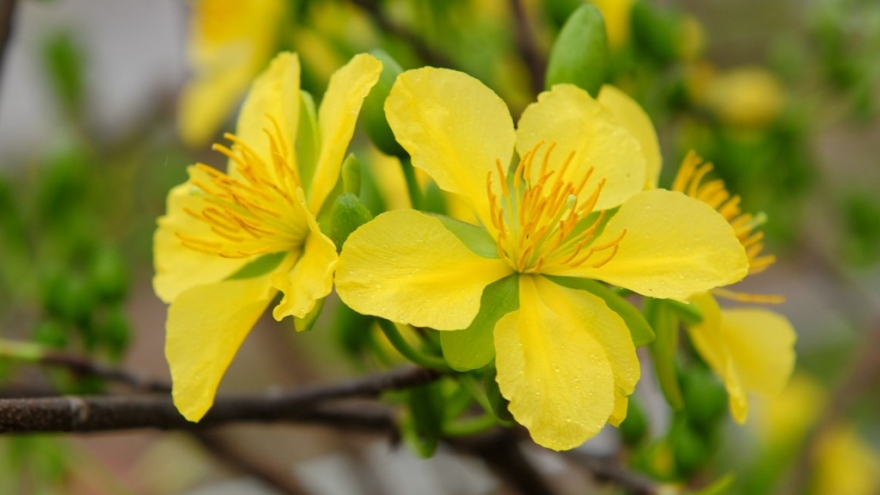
(617,20)
(565,361)
(230,42)
(747,97)
(752,350)
(845,464)
(230,241)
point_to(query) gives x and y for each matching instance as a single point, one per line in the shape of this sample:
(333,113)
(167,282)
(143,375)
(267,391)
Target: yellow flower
(565,361)
(231,241)
(230,42)
(746,97)
(617,20)
(751,349)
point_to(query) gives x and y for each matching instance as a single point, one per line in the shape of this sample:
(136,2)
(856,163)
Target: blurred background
(781,96)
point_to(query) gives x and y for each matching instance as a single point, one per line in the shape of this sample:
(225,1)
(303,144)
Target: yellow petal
(577,124)
(674,247)
(557,375)
(273,99)
(761,345)
(454,127)
(206,326)
(621,405)
(311,277)
(407,267)
(336,119)
(179,268)
(631,116)
(709,341)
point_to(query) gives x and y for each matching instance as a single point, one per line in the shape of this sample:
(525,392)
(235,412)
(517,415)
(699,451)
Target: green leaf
(580,54)
(664,349)
(639,328)
(424,423)
(475,238)
(474,347)
(260,266)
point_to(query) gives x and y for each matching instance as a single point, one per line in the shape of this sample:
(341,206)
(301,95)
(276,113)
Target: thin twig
(83,366)
(423,50)
(528,46)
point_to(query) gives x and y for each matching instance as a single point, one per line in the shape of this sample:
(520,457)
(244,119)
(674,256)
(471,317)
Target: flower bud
(580,54)
(373,111)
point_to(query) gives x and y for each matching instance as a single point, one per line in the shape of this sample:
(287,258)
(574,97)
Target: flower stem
(412,184)
(469,426)
(404,348)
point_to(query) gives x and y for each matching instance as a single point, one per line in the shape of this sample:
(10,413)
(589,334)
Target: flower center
(258,211)
(541,219)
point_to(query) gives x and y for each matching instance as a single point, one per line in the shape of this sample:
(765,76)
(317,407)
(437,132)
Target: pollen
(256,209)
(544,217)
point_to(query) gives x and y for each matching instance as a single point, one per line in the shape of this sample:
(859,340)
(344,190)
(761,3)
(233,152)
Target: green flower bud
(580,54)
(108,275)
(705,400)
(347,214)
(690,450)
(373,111)
(634,428)
(351,175)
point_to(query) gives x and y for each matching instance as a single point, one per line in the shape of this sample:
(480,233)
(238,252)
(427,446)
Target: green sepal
(423,424)
(688,313)
(705,397)
(475,238)
(347,214)
(305,324)
(580,54)
(308,140)
(373,111)
(639,329)
(351,175)
(497,401)
(664,349)
(260,266)
(474,347)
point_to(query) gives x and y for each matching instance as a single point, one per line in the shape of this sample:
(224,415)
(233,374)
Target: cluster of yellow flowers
(569,194)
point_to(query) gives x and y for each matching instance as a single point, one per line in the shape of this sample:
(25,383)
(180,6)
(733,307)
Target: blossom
(231,241)
(572,208)
(751,349)
(230,42)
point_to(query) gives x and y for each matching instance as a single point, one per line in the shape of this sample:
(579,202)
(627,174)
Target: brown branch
(107,413)
(423,50)
(528,46)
